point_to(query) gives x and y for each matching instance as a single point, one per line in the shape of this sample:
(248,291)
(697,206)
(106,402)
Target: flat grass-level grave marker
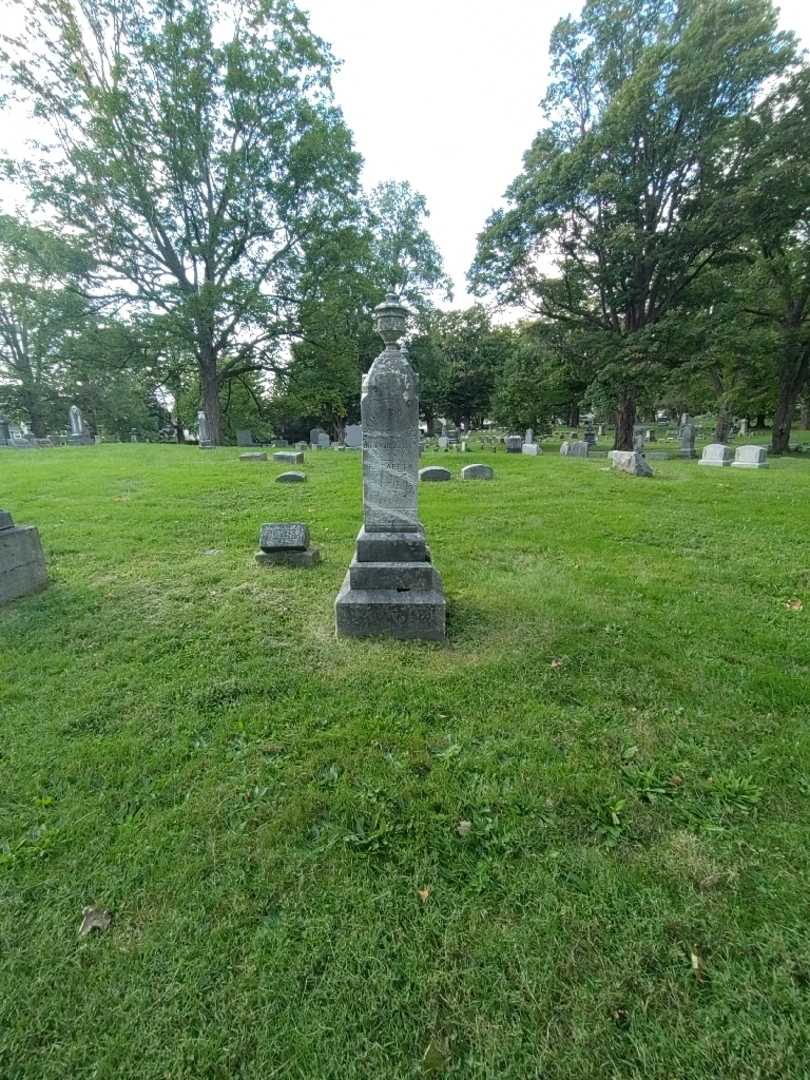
(391,588)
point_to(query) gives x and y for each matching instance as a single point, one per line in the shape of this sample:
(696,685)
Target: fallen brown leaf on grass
(794,605)
(94,918)
(556,663)
(463,828)
(424,894)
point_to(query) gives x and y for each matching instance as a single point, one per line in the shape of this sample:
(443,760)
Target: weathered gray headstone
(324,442)
(531,449)
(578,448)
(377,599)
(244,437)
(477,472)
(514,444)
(717,455)
(257,455)
(22,561)
(314,434)
(443,442)
(354,437)
(289,457)
(744,426)
(750,457)
(630,462)
(434,472)
(203,432)
(291,478)
(5,431)
(76,423)
(686,434)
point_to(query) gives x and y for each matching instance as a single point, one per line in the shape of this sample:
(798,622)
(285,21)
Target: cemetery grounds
(573,842)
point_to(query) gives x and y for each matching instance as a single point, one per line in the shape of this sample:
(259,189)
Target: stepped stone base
(22,562)
(310,557)
(391,590)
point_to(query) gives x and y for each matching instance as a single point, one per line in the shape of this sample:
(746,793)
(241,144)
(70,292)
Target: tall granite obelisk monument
(391,589)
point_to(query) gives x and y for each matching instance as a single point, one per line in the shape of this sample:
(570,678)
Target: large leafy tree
(45,318)
(638,180)
(778,286)
(405,258)
(390,248)
(199,156)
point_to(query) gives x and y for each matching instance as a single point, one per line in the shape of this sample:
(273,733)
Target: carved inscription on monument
(390,414)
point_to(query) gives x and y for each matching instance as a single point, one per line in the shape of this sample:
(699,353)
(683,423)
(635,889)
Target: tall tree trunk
(723,423)
(625,421)
(792,380)
(804,413)
(209,384)
(759,423)
(573,416)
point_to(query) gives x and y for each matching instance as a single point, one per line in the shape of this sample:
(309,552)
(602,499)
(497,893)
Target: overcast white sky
(445,94)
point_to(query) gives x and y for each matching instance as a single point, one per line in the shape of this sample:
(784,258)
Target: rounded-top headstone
(717,454)
(750,457)
(434,472)
(291,477)
(477,472)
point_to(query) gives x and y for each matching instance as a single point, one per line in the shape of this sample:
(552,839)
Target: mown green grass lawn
(574,842)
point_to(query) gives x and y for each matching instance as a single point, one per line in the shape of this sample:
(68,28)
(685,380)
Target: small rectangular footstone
(289,457)
(284,536)
(255,456)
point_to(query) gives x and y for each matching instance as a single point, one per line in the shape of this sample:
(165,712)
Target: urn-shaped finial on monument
(390,319)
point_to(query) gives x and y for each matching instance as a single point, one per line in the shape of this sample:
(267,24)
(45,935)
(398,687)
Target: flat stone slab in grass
(291,478)
(22,561)
(310,557)
(574,449)
(717,455)
(630,461)
(253,457)
(477,472)
(284,536)
(289,457)
(750,457)
(531,449)
(433,473)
